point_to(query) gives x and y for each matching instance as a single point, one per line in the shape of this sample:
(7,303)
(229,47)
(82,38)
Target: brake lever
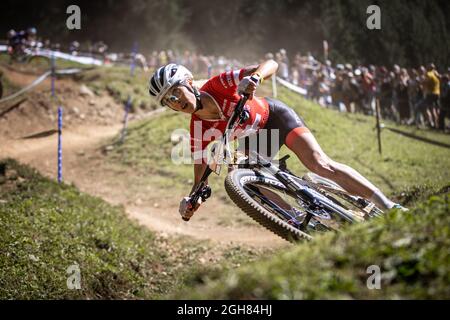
(244,116)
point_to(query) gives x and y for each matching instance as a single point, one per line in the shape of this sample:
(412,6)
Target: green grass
(118,82)
(411,249)
(38,65)
(46,227)
(8,87)
(351,139)
(405,164)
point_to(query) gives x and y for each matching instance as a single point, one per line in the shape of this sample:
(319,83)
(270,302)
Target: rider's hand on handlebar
(186,209)
(248,85)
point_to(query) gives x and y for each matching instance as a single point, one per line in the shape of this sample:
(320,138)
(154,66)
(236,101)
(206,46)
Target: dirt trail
(90,122)
(85,166)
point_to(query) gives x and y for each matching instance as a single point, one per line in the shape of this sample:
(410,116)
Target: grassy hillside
(119,83)
(46,227)
(116,81)
(406,165)
(411,249)
(37,65)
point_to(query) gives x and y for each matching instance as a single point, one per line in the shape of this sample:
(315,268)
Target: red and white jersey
(223,90)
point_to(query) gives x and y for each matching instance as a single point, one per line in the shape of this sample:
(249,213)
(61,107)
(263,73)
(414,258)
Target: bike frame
(303,192)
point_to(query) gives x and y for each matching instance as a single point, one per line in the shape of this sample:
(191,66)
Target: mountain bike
(28,57)
(295,208)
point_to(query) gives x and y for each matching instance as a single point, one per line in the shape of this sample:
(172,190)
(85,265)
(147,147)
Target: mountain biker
(17,41)
(211,106)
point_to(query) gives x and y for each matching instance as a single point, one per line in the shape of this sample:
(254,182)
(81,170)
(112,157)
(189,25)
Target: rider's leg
(305,146)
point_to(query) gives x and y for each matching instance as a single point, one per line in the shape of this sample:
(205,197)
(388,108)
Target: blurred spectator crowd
(19,42)
(415,96)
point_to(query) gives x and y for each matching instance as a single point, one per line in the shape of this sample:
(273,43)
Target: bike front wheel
(271,204)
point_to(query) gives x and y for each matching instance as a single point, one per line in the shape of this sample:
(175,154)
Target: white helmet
(166,77)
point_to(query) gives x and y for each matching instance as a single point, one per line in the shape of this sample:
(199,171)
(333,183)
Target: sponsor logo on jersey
(230,78)
(222,81)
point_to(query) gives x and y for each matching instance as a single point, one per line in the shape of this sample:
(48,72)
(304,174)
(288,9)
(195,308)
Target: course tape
(38,81)
(57,54)
(70,71)
(27,88)
(292,87)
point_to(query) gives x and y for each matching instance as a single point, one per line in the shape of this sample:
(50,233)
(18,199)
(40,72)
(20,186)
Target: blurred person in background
(74,47)
(153,60)
(31,36)
(351,93)
(162,58)
(10,36)
(337,91)
(414,93)
(386,92)
(369,88)
(19,41)
(401,92)
(431,89)
(445,101)
(283,71)
(285,60)
(359,94)
(141,61)
(171,57)
(419,115)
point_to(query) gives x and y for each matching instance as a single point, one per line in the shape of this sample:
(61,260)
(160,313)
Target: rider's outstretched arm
(199,169)
(186,208)
(264,70)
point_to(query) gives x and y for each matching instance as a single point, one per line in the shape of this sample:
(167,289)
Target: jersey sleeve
(227,82)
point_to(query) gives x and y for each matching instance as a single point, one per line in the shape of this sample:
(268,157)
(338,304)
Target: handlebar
(237,111)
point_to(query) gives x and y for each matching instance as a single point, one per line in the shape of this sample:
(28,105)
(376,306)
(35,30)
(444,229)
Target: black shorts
(283,124)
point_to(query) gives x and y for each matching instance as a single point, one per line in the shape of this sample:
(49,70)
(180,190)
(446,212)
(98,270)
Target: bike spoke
(290,209)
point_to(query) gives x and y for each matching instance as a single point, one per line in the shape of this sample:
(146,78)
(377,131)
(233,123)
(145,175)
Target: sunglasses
(172,97)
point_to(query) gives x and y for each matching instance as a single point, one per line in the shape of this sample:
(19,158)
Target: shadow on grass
(426,140)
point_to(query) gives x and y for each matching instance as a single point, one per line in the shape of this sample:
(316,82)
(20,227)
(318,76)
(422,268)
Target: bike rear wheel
(39,63)
(266,200)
